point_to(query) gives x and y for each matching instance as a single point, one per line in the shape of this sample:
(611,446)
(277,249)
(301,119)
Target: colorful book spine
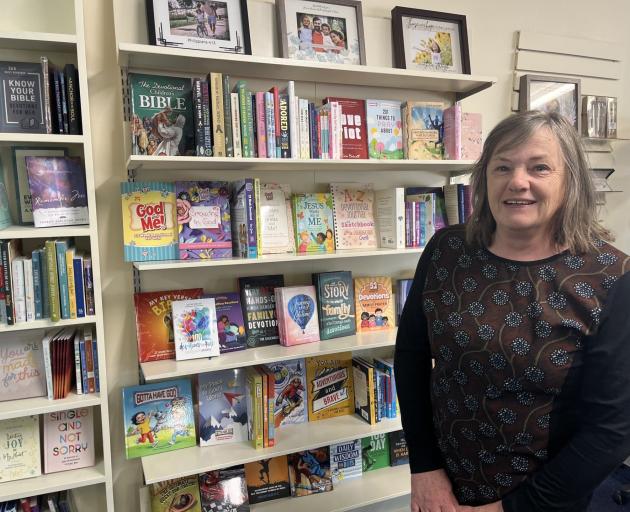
(64,102)
(72,294)
(250,119)
(77,362)
(17,287)
(254,385)
(453,132)
(200,147)
(89,359)
(46,304)
(29,289)
(312,119)
(292,113)
(79,284)
(61,247)
(261,127)
(270,125)
(36,256)
(218,118)
(206,117)
(6,274)
(276,116)
(97,382)
(236,124)
(48,364)
(72,93)
(241,89)
(58,105)
(227,117)
(84,375)
(89,286)
(284,142)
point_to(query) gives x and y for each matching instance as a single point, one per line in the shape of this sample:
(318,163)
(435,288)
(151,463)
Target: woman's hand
(491,507)
(432,492)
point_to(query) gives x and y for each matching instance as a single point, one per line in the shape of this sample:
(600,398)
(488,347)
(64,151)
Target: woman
(524,311)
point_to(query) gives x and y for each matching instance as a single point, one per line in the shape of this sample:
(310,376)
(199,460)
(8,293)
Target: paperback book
(296,307)
(274,218)
(375,452)
(353,127)
(195,328)
(309,472)
(313,223)
(69,440)
(180,494)
(345,460)
(423,128)
(335,304)
(353,208)
(224,490)
(364,390)
(22,89)
(384,129)
(243,215)
(230,324)
(19,448)
(22,372)
(398,450)
(267,479)
(374,303)
(330,386)
(290,392)
(259,309)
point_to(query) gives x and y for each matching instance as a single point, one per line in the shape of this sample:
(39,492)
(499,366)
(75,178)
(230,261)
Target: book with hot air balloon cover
(296,307)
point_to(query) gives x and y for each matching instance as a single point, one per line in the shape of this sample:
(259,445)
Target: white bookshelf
(40,138)
(42,405)
(39,41)
(17,231)
(46,324)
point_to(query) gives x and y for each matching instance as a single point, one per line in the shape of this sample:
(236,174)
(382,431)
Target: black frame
(397,33)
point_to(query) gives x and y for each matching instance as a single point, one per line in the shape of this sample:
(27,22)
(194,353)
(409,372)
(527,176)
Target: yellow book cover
(19,448)
(72,294)
(374,303)
(423,124)
(176,495)
(330,386)
(255,407)
(218,116)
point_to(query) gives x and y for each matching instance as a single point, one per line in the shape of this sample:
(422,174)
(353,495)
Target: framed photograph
(213,25)
(430,41)
(322,30)
(551,94)
(22,190)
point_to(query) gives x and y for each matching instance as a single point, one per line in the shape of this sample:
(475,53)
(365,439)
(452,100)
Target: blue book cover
(36,256)
(64,297)
(45,300)
(77,265)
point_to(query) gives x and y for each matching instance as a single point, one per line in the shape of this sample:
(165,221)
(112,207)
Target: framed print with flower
(430,41)
(214,25)
(551,94)
(322,30)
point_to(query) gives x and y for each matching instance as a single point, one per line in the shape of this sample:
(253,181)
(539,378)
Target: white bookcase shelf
(38,41)
(46,324)
(33,232)
(40,138)
(42,405)
(289,439)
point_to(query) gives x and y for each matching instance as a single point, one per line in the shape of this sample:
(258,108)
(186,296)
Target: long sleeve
(602,442)
(412,366)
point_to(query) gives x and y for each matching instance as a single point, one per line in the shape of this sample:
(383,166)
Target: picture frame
(430,41)
(209,25)
(329,31)
(549,93)
(22,189)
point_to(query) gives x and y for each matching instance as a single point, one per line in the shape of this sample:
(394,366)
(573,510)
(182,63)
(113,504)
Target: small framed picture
(322,30)
(430,41)
(213,25)
(551,94)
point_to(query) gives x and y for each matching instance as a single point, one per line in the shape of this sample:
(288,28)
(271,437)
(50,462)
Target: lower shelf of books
(52,482)
(42,405)
(289,439)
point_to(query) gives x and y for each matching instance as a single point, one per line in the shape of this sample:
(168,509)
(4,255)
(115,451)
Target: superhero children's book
(309,472)
(158,418)
(330,386)
(267,479)
(224,490)
(179,495)
(290,392)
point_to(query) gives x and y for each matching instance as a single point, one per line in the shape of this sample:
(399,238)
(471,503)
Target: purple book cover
(230,321)
(203,218)
(59,195)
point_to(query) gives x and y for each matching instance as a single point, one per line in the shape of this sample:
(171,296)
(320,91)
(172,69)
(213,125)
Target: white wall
(491,25)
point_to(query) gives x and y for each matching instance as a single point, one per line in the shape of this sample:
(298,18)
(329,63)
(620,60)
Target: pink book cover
(471,136)
(297,307)
(261,128)
(453,132)
(68,440)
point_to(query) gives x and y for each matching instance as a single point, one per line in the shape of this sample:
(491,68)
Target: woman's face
(526,184)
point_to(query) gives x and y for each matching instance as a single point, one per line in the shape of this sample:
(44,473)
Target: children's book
(203,219)
(345,460)
(243,215)
(154,322)
(19,448)
(313,223)
(384,129)
(58,191)
(178,495)
(375,452)
(230,324)
(158,418)
(353,127)
(259,309)
(69,440)
(149,217)
(423,127)
(290,392)
(364,390)
(22,372)
(222,407)
(335,304)
(195,328)
(274,222)
(353,208)
(296,307)
(224,490)
(374,303)
(398,450)
(330,386)
(309,472)
(267,479)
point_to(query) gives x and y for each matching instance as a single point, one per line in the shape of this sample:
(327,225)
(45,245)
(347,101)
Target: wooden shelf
(159,58)
(38,41)
(289,439)
(41,138)
(197,163)
(52,482)
(168,369)
(46,324)
(276,258)
(42,405)
(54,232)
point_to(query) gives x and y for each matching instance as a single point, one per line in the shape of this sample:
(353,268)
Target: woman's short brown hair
(575,224)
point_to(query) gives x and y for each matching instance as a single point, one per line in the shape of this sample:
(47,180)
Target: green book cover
(244,100)
(53,280)
(375,452)
(335,304)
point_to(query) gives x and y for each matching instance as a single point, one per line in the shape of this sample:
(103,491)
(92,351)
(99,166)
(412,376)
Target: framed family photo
(430,41)
(213,25)
(551,94)
(322,30)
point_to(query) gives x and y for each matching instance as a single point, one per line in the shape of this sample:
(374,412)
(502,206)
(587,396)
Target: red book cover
(353,125)
(154,324)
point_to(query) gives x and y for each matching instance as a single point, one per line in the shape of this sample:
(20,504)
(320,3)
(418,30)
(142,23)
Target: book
(255,411)
(69,440)
(403,286)
(224,490)
(375,452)
(18,290)
(61,246)
(162,120)
(236,124)
(218,115)
(422,130)
(330,386)
(19,448)
(203,219)
(364,390)
(243,212)
(222,407)
(259,309)
(398,450)
(309,472)
(353,127)
(384,129)
(389,215)
(158,418)
(22,97)
(58,191)
(244,111)
(176,495)
(289,391)
(201,110)
(353,211)
(274,218)
(227,117)
(335,304)
(313,223)
(462,134)
(374,303)
(149,215)
(297,315)
(64,101)
(345,460)
(230,324)
(267,479)
(195,328)
(22,373)
(73,99)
